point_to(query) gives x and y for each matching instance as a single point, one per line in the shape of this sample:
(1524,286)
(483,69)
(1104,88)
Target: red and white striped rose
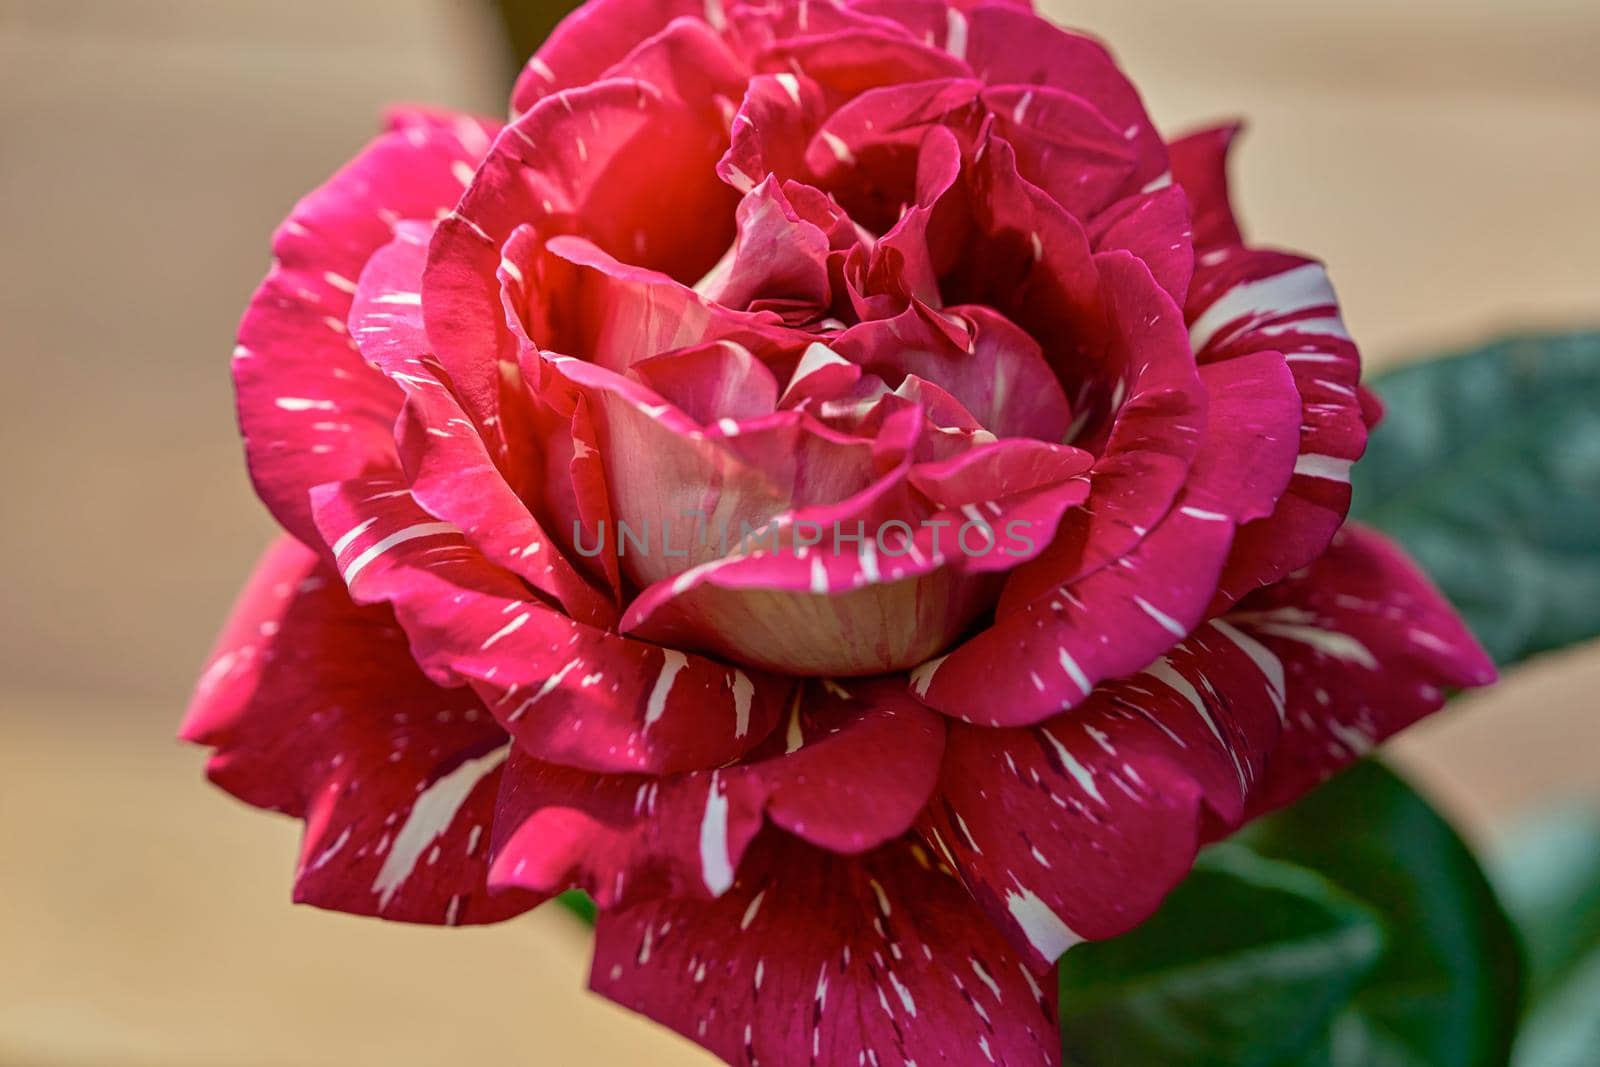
(892,264)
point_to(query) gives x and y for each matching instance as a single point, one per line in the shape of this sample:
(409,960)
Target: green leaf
(1563,1030)
(1488,470)
(1244,963)
(1549,879)
(579,903)
(1448,989)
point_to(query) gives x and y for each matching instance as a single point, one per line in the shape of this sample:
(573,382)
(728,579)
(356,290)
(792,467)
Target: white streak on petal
(1328,642)
(1163,671)
(1074,671)
(743,691)
(1267,663)
(507,630)
(399,537)
(1167,622)
(435,809)
(750,912)
(1161,181)
(1300,289)
(671,663)
(543,691)
(1079,772)
(955,34)
(296,403)
(1330,326)
(922,677)
(348,539)
(836,145)
(1330,467)
(1043,928)
(716,868)
(819,577)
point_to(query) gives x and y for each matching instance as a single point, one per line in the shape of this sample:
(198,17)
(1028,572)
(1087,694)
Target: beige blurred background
(1442,155)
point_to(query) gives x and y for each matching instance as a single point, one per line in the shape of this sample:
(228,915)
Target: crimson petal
(817,959)
(316,710)
(1368,647)
(310,410)
(567,692)
(625,838)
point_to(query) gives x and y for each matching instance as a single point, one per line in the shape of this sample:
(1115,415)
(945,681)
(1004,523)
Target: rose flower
(830,482)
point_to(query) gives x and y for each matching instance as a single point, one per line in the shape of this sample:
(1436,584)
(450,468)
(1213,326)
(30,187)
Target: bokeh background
(1441,155)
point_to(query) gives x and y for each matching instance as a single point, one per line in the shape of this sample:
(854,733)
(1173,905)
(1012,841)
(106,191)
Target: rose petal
(777,259)
(1047,654)
(685,494)
(626,838)
(1252,301)
(720,381)
(1154,418)
(817,959)
(592,38)
(1011,47)
(624,162)
(566,692)
(1368,647)
(770,131)
(316,710)
(1078,827)
(1001,377)
(881,581)
(1200,166)
(1064,145)
(310,410)
(1156,228)
(448,467)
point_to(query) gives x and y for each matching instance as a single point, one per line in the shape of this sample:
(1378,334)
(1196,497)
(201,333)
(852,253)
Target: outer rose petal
(317,710)
(1248,301)
(311,411)
(625,838)
(1200,166)
(816,959)
(1078,827)
(1368,646)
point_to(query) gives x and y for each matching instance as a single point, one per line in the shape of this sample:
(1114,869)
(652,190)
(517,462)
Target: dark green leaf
(1243,964)
(579,903)
(1563,1030)
(1549,879)
(1488,470)
(1448,990)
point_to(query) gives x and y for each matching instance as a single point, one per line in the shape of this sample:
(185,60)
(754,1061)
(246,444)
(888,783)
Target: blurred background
(1441,155)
